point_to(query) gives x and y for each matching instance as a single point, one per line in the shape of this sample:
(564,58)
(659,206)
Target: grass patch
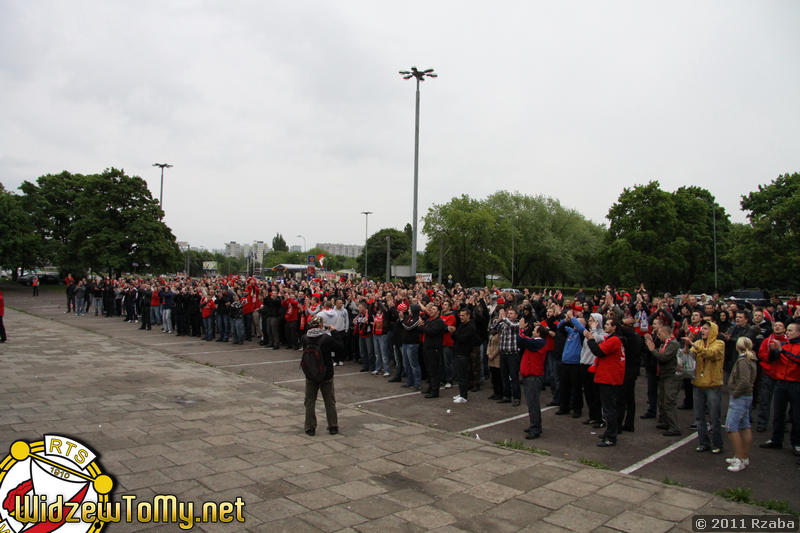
(593,463)
(744,495)
(241,372)
(517,445)
(674,483)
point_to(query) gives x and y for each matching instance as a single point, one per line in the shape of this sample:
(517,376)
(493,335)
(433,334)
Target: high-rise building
(233,249)
(347,250)
(295,248)
(259,248)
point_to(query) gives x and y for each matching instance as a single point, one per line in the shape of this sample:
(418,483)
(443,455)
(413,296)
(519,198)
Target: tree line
(109,222)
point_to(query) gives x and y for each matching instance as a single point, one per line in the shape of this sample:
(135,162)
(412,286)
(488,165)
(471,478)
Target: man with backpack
(317,365)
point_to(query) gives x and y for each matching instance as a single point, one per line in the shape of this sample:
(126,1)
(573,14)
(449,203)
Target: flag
(321,259)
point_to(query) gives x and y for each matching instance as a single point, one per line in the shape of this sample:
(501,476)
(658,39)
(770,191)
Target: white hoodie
(587,357)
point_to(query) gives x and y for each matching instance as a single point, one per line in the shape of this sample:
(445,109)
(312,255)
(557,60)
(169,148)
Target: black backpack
(312,364)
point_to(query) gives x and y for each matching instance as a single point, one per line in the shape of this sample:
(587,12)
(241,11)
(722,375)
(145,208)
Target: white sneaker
(374,372)
(386,374)
(732,460)
(737,465)
(448,385)
(459,399)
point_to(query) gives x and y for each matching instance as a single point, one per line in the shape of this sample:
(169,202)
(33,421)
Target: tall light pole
(304,242)
(161,192)
(714,221)
(388,256)
(366,237)
(420,75)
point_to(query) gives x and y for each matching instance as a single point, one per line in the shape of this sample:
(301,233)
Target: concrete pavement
(166,425)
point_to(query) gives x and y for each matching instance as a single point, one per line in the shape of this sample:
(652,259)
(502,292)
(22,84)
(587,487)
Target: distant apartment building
(347,250)
(295,248)
(233,249)
(259,248)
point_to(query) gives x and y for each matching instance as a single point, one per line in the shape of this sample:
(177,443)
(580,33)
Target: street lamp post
(161,192)
(388,255)
(304,242)
(714,230)
(366,237)
(420,75)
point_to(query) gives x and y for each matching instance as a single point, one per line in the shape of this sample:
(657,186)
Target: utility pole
(388,256)
(161,192)
(420,75)
(366,238)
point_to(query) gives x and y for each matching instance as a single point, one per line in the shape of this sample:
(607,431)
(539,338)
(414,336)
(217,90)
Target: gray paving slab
(161,423)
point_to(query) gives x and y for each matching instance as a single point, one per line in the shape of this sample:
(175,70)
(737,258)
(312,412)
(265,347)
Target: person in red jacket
(449,319)
(2,313)
(248,306)
(207,306)
(531,369)
(291,317)
(609,376)
(767,383)
(786,359)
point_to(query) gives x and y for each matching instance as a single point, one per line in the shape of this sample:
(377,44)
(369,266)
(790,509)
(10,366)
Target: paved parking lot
(645,453)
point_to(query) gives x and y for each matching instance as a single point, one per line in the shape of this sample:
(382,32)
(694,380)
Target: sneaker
(374,372)
(732,460)
(737,465)
(796,450)
(386,374)
(448,385)
(771,444)
(605,443)
(702,448)
(459,399)
(716,450)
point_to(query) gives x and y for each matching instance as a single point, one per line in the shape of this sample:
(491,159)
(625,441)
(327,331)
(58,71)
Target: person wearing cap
(319,336)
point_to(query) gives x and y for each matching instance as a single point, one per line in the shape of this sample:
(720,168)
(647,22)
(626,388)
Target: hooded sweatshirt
(572,346)
(587,357)
(325,343)
(710,356)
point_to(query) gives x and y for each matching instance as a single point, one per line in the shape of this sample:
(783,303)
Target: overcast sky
(291,117)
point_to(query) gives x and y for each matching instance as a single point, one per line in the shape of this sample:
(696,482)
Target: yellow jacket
(710,357)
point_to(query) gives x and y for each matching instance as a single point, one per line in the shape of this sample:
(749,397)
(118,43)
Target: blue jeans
(237,325)
(532,385)
(155,315)
(220,327)
(365,353)
(484,361)
(378,353)
(411,364)
(98,306)
(208,324)
(708,397)
(786,393)
(552,376)
(166,320)
(738,414)
(80,306)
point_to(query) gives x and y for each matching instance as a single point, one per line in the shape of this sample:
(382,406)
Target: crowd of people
(588,349)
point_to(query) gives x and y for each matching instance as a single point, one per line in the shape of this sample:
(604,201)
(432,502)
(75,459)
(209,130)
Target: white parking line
(303,379)
(222,351)
(261,363)
(172,343)
(658,455)
(503,421)
(385,398)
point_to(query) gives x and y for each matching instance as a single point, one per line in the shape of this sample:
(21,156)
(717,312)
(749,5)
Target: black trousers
(626,403)
(2,330)
(590,394)
(608,400)
(570,388)
(433,362)
(145,317)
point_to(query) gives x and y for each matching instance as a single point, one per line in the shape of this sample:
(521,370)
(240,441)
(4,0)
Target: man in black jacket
(273,311)
(466,343)
(317,337)
(433,329)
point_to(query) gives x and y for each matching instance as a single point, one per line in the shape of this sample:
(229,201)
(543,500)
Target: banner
(424,277)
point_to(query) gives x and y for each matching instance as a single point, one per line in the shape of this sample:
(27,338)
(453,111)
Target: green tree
(376,248)
(106,221)
(279,244)
(19,245)
(464,227)
(774,215)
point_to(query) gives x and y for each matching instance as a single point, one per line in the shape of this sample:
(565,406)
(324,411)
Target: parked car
(750,297)
(45,278)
